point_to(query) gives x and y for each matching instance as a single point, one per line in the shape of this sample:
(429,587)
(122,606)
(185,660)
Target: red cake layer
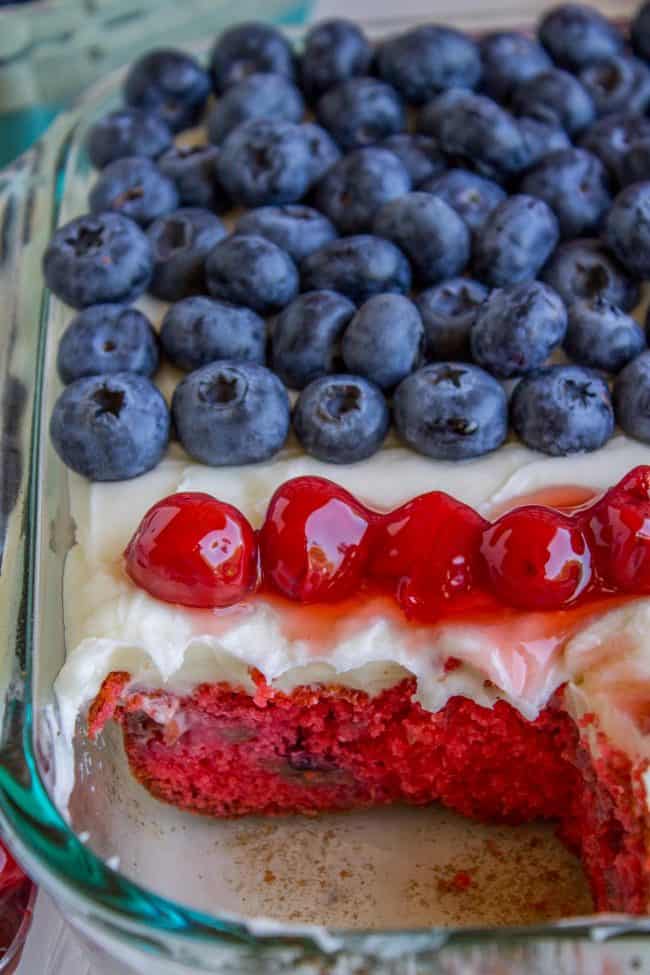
(222,752)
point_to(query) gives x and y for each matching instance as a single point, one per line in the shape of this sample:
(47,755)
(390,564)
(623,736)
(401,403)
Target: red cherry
(193,550)
(537,558)
(618,529)
(314,541)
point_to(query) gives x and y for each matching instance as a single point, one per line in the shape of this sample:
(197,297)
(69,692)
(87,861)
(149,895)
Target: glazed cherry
(315,541)
(193,550)
(537,558)
(618,529)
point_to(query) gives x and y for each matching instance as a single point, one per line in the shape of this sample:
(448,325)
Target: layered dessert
(397,547)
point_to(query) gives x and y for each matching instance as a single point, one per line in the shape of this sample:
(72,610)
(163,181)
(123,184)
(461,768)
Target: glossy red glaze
(193,550)
(315,541)
(617,527)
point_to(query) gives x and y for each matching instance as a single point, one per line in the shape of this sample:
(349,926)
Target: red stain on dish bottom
(331,748)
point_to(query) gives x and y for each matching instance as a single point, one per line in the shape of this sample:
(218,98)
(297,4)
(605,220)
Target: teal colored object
(20,129)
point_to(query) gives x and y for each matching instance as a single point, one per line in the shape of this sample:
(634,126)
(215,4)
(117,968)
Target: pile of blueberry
(414,224)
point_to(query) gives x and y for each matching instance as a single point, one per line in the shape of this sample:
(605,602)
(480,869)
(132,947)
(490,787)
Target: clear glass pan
(132,913)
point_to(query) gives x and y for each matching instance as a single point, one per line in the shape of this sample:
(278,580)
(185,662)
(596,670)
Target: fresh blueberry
(476,131)
(517,328)
(617,84)
(419,154)
(266,162)
(134,187)
(541,138)
(169,83)
(193,170)
(354,188)
(229,413)
(249,48)
(106,339)
(341,419)
(307,337)
(583,268)
(270,96)
(562,410)
(611,137)
(427,60)
(97,259)
(298,230)
(575,34)
(602,336)
(627,229)
(335,50)
(632,398)
(181,242)
(516,241)
(473,197)
(198,330)
(640,32)
(509,58)
(634,166)
(110,428)
(127,132)
(383,340)
(358,267)
(448,312)
(575,185)
(361,111)
(432,235)
(250,270)
(555,96)
(451,411)
(323,151)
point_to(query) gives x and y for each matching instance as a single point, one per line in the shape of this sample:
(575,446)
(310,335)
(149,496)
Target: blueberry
(229,413)
(562,410)
(640,32)
(516,241)
(169,83)
(451,411)
(335,50)
(127,132)
(193,170)
(584,269)
(477,131)
(298,230)
(341,419)
(627,229)
(448,312)
(97,259)
(270,96)
(383,340)
(134,187)
(198,330)
(419,154)
(541,138)
(110,428)
(634,166)
(611,137)
(602,336)
(265,161)
(432,235)
(106,339)
(575,34)
(354,188)
(307,336)
(632,398)
(618,83)
(517,328)
(250,270)
(181,242)
(555,96)
(249,48)
(361,111)
(473,197)
(358,267)
(509,58)
(323,151)
(427,60)
(575,185)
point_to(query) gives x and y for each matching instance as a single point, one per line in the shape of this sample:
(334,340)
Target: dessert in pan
(363,513)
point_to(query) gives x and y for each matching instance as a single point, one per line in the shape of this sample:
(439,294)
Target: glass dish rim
(33,826)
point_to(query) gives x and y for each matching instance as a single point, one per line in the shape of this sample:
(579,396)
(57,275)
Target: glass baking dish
(335,895)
